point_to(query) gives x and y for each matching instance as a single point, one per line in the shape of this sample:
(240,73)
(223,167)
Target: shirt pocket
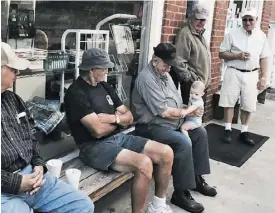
(25,129)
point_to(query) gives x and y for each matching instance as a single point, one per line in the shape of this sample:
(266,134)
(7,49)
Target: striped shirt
(18,146)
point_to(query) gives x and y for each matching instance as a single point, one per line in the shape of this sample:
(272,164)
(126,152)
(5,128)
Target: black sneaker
(227,136)
(245,137)
(185,201)
(203,187)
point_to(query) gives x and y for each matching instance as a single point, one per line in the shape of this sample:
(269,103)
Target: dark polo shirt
(82,99)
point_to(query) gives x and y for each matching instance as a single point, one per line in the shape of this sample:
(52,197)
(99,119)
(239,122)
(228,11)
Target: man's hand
(37,186)
(106,118)
(243,56)
(32,182)
(261,84)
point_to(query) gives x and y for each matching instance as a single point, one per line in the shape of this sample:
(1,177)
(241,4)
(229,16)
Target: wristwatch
(117,119)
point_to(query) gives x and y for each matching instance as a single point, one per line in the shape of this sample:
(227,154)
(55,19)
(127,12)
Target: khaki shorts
(239,84)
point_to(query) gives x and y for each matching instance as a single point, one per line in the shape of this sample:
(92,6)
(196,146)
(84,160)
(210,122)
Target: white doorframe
(151,30)
(210,4)
(271,35)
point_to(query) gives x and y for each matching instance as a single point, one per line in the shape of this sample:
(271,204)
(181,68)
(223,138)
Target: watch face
(117,119)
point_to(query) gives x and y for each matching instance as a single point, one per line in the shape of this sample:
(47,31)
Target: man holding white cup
(26,186)
(245,51)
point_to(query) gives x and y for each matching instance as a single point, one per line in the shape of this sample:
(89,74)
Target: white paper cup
(73,177)
(54,166)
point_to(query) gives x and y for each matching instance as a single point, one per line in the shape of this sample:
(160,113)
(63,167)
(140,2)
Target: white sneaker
(160,209)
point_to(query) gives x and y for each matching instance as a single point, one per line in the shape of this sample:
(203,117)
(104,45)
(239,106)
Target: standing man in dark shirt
(95,115)
(25,184)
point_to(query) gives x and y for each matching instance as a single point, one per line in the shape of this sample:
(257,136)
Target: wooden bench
(94,183)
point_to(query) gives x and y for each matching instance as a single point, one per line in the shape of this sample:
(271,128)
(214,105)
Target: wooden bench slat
(72,164)
(86,172)
(109,186)
(100,180)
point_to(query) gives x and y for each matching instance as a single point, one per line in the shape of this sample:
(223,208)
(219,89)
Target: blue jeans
(55,196)
(191,157)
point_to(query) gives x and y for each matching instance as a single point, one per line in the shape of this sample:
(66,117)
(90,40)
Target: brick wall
(266,15)
(173,16)
(217,36)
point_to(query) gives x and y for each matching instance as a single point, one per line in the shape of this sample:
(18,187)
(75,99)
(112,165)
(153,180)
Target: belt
(245,70)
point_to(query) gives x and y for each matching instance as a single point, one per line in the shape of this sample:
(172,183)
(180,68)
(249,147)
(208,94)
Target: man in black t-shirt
(95,114)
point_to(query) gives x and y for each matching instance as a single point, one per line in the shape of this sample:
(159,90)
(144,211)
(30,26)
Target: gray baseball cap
(200,11)
(95,58)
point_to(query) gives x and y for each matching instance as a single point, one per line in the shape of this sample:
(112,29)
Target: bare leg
(142,167)
(245,117)
(228,114)
(162,156)
(187,125)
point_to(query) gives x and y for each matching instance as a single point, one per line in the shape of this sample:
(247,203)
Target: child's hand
(199,112)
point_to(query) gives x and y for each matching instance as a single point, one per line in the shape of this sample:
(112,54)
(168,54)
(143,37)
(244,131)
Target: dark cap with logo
(167,52)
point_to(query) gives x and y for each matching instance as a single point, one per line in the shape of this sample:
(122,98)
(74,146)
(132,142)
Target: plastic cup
(54,167)
(73,177)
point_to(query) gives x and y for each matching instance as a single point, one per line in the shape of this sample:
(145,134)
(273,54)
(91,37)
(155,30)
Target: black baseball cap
(167,52)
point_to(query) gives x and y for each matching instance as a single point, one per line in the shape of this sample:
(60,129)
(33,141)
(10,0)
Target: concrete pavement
(248,189)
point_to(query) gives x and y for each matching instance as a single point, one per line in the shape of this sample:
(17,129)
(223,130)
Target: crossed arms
(102,124)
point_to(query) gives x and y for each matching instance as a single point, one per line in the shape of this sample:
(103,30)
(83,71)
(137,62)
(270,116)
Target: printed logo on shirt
(109,99)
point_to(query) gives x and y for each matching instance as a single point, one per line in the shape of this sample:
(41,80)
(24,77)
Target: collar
(164,78)
(83,84)
(193,30)
(246,33)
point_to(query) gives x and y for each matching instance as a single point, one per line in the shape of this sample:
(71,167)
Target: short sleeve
(198,103)
(77,105)
(152,95)
(266,52)
(113,94)
(226,43)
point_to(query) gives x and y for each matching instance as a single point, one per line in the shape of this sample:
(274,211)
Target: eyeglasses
(16,72)
(200,20)
(246,20)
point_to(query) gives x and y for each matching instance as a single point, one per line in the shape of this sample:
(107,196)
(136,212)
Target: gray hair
(84,73)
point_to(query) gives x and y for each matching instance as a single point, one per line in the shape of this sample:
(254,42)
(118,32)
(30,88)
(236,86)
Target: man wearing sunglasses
(245,51)
(193,51)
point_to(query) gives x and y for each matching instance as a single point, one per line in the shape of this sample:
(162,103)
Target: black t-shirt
(82,99)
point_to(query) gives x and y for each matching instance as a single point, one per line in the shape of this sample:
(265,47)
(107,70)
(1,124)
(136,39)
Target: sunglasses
(246,20)
(201,20)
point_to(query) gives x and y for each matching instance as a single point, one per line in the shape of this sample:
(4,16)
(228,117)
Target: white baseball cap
(250,12)
(8,58)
